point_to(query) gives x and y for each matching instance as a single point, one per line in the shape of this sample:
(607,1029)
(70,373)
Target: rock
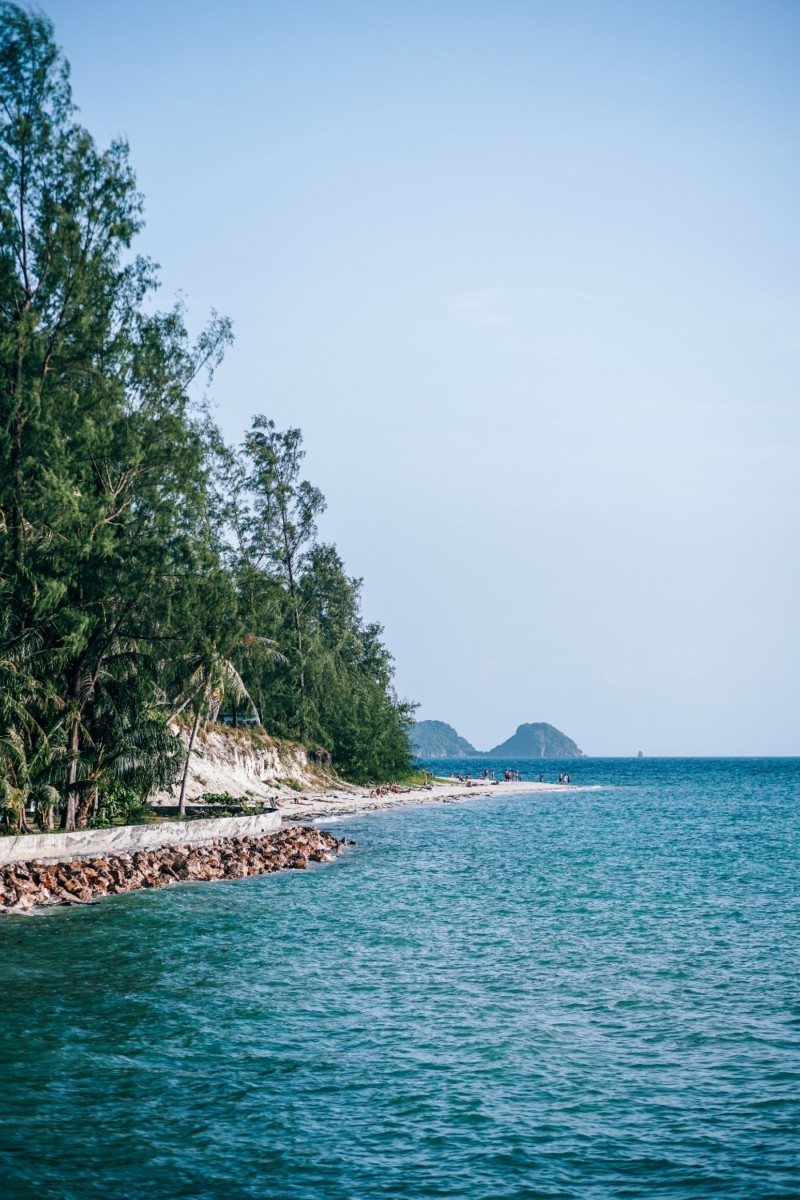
(235,869)
(197,870)
(76,887)
(26,885)
(180,866)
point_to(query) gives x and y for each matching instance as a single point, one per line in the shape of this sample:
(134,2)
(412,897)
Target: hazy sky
(527,275)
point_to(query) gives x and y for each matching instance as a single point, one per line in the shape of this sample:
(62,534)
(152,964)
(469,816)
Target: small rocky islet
(25,886)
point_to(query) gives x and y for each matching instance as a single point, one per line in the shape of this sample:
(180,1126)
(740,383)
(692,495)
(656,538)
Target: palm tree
(12,807)
(213,677)
(25,782)
(29,727)
(131,747)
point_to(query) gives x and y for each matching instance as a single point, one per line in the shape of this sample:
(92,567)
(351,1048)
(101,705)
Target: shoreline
(332,802)
(349,799)
(27,887)
(37,883)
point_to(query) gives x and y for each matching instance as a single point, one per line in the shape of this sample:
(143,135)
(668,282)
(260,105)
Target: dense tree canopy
(141,558)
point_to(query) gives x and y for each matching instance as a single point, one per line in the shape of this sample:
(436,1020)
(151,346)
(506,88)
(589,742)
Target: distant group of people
(510,775)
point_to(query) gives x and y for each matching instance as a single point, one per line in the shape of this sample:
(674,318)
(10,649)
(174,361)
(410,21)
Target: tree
(25,781)
(103,502)
(31,733)
(140,558)
(282,527)
(128,748)
(359,717)
(213,675)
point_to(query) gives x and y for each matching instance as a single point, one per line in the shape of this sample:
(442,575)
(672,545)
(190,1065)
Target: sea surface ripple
(582,994)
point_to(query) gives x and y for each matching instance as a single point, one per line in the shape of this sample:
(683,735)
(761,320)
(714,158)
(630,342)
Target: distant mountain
(434,739)
(537,741)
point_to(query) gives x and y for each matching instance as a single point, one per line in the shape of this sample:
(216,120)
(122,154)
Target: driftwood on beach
(24,886)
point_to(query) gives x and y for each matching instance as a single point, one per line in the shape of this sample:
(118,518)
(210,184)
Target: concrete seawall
(124,839)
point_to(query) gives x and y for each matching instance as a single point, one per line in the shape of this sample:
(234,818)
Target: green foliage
(145,567)
(223,804)
(137,812)
(294,784)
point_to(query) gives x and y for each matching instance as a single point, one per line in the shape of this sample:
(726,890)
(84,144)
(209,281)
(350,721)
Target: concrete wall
(124,839)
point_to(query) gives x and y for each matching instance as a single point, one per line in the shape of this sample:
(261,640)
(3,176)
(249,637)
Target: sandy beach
(331,802)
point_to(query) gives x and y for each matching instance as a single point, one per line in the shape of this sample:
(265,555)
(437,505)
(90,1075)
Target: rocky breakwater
(24,886)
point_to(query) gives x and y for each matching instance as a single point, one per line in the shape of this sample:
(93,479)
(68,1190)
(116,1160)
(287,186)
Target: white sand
(331,802)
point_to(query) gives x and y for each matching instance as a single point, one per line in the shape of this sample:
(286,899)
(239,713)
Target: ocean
(590,993)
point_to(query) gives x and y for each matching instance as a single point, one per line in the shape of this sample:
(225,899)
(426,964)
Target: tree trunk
(301,679)
(17,519)
(83,808)
(192,736)
(298,629)
(70,812)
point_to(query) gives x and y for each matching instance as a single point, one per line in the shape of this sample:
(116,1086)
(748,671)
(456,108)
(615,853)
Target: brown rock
(198,870)
(22,886)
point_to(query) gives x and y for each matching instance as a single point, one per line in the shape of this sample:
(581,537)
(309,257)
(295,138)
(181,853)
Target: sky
(527,276)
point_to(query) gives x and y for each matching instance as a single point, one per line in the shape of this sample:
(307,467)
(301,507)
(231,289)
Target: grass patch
(292,783)
(415,779)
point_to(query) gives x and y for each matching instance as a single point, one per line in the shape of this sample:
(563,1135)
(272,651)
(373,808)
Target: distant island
(436,739)
(538,740)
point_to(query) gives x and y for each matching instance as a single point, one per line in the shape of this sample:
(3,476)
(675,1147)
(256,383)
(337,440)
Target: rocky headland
(435,739)
(24,886)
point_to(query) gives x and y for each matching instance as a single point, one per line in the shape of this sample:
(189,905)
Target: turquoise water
(574,994)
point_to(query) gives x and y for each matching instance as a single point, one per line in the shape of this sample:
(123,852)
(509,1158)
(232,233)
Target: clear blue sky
(527,275)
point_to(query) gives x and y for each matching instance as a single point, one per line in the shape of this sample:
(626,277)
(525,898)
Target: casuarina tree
(141,559)
(102,497)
